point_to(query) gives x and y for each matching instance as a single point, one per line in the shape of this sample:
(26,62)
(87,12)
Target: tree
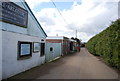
(73,38)
(77,40)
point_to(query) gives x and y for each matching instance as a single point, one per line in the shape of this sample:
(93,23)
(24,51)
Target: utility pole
(57,34)
(76,33)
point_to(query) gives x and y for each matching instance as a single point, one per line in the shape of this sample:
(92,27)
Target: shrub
(107,44)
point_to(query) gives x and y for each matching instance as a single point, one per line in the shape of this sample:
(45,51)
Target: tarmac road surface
(81,65)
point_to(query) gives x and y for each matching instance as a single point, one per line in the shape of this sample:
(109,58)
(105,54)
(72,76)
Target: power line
(59,12)
(61,15)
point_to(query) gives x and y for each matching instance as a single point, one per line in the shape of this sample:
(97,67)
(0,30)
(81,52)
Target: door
(42,50)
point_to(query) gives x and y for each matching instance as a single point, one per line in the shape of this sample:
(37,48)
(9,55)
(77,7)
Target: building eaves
(35,18)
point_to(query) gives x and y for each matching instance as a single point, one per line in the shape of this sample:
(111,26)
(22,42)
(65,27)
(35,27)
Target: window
(51,49)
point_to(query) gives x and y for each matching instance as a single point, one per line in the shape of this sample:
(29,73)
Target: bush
(107,44)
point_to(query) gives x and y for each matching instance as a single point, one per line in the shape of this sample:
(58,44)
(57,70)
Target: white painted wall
(9,38)
(0,54)
(51,55)
(11,65)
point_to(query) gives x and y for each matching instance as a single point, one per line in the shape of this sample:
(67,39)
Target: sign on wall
(24,49)
(36,47)
(13,14)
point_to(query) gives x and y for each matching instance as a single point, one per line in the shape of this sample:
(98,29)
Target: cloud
(88,18)
(91,18)
(119,9)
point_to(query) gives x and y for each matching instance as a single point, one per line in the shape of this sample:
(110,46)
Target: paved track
(80,65)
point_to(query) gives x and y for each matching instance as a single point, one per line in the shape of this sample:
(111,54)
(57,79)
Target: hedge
(107,44)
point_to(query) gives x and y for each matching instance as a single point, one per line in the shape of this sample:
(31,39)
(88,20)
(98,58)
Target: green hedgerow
(107,44)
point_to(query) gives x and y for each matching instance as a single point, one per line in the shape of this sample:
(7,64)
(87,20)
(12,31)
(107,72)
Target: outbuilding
(73,45)
(56,46)
(22,39)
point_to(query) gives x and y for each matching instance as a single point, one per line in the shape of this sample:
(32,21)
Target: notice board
(13,14)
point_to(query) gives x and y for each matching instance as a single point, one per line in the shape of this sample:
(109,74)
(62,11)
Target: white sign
(25,49)
(36,47)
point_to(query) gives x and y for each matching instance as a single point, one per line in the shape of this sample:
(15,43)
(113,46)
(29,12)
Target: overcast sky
(88,17)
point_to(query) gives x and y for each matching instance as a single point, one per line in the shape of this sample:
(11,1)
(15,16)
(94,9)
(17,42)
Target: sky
(88,17)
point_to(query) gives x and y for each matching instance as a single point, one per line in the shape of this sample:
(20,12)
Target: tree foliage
(107,44)
(77,40)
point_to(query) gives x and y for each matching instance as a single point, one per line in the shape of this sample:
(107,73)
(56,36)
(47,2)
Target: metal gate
(53,50)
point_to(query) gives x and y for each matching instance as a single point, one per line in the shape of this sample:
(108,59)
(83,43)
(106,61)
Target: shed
(53,51)
(65,46)
(73,45)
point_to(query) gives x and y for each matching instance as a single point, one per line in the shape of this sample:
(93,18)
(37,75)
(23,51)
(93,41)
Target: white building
(19,30)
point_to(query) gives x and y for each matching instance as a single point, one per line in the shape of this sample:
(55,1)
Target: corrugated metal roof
(55,37)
